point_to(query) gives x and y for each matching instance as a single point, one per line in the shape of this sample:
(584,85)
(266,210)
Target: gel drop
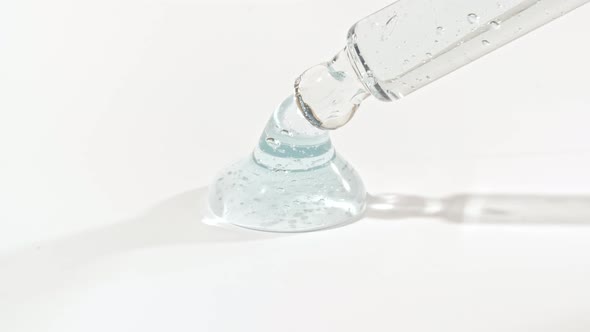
(294,181)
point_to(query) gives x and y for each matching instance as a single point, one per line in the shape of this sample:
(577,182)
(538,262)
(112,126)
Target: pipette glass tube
(411,43)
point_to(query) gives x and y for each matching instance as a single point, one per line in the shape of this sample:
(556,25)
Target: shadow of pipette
(508,209)
(182,220)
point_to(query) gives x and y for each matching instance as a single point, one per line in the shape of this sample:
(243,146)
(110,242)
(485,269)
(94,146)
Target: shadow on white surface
(180,221)
(184,219)
(176,221)
(508,209)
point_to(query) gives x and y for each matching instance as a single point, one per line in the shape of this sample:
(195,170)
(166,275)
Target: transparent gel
(294,181)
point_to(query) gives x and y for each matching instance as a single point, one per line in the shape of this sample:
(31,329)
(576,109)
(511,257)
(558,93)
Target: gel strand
(294,181)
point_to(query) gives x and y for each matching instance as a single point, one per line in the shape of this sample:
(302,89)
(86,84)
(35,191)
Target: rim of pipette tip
(308,112)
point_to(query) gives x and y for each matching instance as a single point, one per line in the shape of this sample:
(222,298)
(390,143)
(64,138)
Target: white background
(110,108)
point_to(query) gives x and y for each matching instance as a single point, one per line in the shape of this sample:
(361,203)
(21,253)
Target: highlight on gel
(294,181)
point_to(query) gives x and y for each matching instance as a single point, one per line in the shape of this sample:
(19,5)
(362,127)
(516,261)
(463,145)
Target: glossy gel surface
(293,182)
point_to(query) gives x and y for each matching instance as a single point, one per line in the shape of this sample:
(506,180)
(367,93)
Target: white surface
(110,108)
